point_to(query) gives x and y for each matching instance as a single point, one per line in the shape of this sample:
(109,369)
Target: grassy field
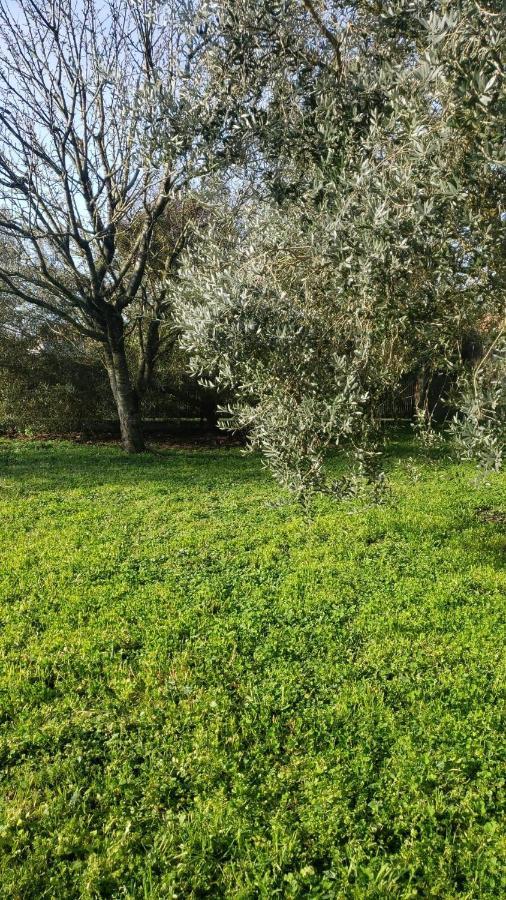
(205,693)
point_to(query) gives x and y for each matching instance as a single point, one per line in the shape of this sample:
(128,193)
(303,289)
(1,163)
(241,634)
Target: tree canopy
(376,246)
(365,141)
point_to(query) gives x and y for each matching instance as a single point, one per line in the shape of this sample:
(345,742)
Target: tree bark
(209,411)
(125,396)
(419,399)
(149,349)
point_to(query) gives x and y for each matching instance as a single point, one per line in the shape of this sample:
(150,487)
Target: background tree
(87,90)
(152,332)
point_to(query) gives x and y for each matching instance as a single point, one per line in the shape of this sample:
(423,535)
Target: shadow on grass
(55,466)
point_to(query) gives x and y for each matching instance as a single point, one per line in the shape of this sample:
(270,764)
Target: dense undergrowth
(205,692)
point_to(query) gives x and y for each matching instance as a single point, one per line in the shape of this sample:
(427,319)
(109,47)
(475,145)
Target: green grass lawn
(205,693)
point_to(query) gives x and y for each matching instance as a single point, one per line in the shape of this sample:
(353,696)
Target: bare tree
(103,108)
(151,328)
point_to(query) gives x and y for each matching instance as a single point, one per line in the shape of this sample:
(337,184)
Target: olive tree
(377,134)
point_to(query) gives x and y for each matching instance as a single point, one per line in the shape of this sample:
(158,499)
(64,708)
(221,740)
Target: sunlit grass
(205,692)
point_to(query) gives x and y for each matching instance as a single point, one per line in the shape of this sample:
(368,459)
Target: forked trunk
(125,396)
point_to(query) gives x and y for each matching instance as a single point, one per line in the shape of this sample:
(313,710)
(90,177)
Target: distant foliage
(49,389)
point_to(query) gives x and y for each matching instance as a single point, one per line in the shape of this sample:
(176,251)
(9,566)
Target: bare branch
(327,33)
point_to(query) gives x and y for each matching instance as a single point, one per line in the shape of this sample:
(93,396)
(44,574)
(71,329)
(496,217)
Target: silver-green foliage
(479,428)
(380,248)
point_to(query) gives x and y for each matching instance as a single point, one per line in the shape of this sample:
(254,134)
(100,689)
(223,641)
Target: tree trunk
(150,347)
(209,411)
(419,398)
(125,396)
